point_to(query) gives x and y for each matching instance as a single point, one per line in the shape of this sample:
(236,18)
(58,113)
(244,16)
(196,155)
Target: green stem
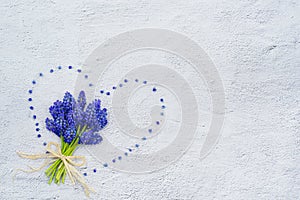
(57,170)
(52,167)
(60,169)
(64,176)
(51,176)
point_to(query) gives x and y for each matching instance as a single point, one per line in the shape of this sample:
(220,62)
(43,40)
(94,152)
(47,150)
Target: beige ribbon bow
(68,161)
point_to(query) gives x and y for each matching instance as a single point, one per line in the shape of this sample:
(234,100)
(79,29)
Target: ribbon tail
(67,165)
(46,162)
(81,180)
(32,156)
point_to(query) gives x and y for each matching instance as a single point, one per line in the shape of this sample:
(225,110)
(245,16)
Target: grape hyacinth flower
(71,119)
(75,123)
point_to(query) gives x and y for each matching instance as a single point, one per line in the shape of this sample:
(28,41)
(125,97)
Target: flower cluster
(72,119)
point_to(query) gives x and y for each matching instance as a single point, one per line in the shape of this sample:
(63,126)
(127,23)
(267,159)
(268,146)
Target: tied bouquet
(76,123)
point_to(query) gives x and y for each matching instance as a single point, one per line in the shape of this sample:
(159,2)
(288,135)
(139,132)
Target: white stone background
(255,47)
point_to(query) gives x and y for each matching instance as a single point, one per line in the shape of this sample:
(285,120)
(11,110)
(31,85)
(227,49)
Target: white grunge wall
(254,48)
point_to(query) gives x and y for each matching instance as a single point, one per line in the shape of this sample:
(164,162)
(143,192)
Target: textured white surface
(255,46)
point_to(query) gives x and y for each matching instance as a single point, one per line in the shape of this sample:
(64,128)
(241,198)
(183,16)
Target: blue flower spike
(69,115)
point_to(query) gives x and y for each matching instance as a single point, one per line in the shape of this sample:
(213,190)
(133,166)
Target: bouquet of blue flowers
(76,124)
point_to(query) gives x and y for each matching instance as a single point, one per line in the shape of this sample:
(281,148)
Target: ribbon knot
(70,162)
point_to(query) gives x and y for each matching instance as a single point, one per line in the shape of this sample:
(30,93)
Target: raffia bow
(68,162)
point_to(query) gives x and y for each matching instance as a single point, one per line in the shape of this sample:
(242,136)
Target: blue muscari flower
(81,102)
(79,116)
(95,118)
(69,134)
(62,123)
(70,114)
(51,126)
(56,109)
(90,137)
(68,102)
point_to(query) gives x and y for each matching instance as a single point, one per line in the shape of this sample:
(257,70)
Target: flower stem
(57,170)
